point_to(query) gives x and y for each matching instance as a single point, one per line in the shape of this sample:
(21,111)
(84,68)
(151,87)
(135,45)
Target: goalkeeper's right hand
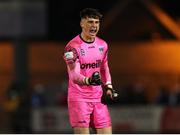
(95,79)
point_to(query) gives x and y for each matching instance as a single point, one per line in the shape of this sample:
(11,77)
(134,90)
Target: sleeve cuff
(86,80)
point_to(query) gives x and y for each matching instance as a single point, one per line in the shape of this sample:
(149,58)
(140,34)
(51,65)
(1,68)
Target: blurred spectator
(174,96)
(133,94)
(22,116)
(163,96)
(125,95)
(12,97)
(61,97)
(169,97)
(139,94)
(18,107)
(38,96)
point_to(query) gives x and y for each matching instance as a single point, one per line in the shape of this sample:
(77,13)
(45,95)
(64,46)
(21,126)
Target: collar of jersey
(84,40)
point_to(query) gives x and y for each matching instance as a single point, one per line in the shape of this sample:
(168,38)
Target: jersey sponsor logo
(96,64)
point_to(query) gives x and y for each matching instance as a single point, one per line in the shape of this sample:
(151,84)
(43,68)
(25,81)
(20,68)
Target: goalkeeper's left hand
(109,94)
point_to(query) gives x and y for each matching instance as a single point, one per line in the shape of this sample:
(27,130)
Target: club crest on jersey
(101,49)
(82,52)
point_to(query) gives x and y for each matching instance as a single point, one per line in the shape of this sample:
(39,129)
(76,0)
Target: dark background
(63,22)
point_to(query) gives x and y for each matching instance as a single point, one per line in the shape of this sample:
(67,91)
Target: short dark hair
(91,13)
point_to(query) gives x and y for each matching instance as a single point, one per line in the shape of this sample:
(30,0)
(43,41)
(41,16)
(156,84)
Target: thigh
(78,130)
(101,117)
(107,130)
(79,114)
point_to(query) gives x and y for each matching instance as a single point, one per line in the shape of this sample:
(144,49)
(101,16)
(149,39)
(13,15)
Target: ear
(81,23)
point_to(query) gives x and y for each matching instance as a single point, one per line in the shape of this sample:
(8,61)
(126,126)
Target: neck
(87,38)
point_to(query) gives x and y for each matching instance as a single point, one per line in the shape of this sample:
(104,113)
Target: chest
(91,53)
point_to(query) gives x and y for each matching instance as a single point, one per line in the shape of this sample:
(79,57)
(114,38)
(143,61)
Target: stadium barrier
(125,119)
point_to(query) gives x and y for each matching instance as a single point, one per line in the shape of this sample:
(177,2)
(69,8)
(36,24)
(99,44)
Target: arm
(106,78)
(72,61)
(105,73)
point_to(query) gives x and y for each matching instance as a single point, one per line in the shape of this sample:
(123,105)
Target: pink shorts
(88,114)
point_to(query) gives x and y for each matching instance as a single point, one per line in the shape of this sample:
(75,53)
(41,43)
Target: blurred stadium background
(144,57)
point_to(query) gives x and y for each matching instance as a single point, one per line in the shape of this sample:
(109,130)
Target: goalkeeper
(86,57)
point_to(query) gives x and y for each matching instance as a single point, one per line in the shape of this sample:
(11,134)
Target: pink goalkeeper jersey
(83,59)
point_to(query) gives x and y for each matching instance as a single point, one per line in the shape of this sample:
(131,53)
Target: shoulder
(71,50)
(73,43)
(101,42)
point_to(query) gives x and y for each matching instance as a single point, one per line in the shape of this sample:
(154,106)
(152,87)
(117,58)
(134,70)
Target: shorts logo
(83,121)
(96,64)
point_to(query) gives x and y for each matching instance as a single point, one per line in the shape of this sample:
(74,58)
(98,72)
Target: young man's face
(90,27)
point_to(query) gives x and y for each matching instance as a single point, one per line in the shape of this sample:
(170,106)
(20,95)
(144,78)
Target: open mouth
(93,31)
